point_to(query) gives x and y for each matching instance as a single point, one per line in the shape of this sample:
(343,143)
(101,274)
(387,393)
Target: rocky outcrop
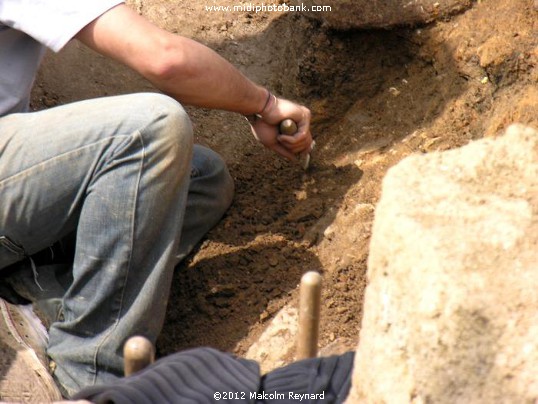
(451,309)
(352,14)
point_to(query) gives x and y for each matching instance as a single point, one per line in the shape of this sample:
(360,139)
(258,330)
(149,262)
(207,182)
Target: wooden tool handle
(138,352)
(309,309)
(288,127)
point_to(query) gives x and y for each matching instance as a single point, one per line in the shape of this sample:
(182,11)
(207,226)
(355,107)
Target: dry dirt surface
(376,97)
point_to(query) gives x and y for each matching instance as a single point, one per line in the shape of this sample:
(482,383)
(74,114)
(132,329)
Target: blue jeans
(122,173)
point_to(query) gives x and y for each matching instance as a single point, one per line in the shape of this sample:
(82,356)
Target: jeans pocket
(10,252)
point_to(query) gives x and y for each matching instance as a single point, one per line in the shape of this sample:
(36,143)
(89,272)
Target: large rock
(347,14)
(451,310)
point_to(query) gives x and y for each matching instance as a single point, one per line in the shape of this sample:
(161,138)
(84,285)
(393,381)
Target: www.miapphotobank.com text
(259,8)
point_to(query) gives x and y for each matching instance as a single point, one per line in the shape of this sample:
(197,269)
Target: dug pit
(376,97)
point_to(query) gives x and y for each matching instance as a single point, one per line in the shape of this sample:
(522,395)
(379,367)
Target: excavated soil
(376,97)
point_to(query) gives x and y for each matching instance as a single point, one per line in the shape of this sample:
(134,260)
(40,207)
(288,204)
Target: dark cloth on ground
(205,375)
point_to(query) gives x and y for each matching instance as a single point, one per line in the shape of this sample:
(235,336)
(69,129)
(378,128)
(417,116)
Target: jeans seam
(57,157)
(113,326)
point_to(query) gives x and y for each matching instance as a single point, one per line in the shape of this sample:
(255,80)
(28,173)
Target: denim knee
(165,125)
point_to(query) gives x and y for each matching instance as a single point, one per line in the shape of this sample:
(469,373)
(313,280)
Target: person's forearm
(178,66)
(196,75)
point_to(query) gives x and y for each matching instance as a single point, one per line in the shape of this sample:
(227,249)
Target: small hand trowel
(289,127)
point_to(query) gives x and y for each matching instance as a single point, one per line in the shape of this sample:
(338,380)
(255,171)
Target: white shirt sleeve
(52,22)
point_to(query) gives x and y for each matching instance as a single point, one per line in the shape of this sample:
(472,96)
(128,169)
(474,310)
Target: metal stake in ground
(138,352)
(309,308)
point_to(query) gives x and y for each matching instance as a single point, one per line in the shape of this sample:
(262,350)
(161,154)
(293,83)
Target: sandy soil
(376,96)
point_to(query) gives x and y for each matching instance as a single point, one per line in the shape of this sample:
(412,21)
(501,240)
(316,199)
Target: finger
(290,139)
(297,138)
(279,149)
(296,146)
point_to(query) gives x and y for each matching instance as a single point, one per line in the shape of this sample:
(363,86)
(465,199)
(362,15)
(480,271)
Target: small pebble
(264,316)
(394,91)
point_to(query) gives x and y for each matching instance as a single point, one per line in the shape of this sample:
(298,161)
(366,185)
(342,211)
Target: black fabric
(186,377)
(8,293)
(316,380)
(195,376)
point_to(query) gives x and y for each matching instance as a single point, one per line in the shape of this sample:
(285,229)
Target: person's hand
(266,128)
